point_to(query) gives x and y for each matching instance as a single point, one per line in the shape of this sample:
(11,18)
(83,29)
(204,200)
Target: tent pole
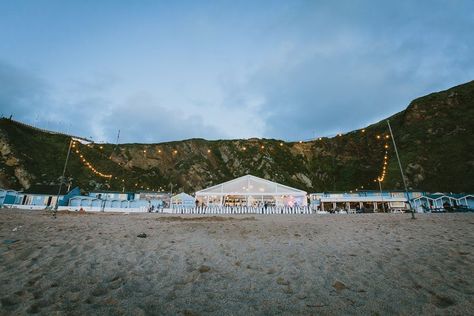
(401,171)
(62,178)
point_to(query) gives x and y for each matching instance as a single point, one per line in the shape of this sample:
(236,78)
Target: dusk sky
(173,70)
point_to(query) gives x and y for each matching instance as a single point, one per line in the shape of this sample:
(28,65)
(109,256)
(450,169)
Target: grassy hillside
(434,135)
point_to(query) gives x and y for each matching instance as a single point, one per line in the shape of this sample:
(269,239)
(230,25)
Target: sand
(371,264)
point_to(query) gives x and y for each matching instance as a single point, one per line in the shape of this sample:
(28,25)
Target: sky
(171,70)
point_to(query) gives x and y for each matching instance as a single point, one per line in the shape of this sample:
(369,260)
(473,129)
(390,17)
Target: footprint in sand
(37,295)
(99,291)
(442,301)
(10,302)
(32,281)
(271,271)
(115,282)
(33,309)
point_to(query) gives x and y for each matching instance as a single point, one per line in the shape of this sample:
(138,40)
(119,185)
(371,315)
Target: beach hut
(363,201)
(42,196)
(112,195)
(183,200)
(443,201)
(85,201)
(251,191)
(423,204)
(7,196)
(467,200)
(439,201)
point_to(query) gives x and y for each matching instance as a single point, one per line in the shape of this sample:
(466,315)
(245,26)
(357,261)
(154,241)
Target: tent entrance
(249,200)
(235,200)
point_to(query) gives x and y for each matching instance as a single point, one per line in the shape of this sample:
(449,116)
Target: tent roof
(250,185)
(437,196)
(183,195)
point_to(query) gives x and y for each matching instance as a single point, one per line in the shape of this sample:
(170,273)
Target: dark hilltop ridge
(435,136)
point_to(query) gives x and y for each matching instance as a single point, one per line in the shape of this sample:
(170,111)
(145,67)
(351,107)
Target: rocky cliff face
(435,137)
(12,169)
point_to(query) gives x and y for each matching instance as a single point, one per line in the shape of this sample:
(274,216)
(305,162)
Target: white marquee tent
(251,191)
(183,200)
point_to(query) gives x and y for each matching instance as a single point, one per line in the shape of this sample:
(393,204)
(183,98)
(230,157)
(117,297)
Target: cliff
(434,135)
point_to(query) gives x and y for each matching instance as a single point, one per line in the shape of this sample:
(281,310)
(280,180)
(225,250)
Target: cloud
(20,91)
(292,71)
(85,109)
(331,73)
(141,118)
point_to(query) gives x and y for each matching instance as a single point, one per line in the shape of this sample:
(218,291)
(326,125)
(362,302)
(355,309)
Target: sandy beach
(372,264)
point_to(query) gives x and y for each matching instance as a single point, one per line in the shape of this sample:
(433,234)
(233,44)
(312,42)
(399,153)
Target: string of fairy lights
(383,173)
(86,163)
(174,152)
(384,169)
(76,149)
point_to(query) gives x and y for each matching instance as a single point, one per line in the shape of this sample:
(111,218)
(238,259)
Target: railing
(26,207)
(242,210)
(105,209)
(194,210)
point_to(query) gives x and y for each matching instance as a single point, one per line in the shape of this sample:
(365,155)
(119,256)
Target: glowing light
(208,151)
(363,131)
(89,165)
(378,136)
(281,144)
